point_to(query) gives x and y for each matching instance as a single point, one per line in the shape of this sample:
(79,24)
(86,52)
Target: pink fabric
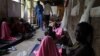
(0,31)
(5,32)
(47,48)
(59,32)
(60,52)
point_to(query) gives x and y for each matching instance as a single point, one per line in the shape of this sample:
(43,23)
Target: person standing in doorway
(47,10)
(39,14)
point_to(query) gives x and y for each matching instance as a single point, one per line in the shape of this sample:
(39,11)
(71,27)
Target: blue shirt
(39,9)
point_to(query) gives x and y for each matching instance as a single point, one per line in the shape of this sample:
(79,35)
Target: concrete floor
(26,46)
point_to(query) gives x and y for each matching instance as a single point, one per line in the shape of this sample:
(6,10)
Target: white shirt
(47,9)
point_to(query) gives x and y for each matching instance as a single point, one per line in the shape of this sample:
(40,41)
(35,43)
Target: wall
(54,9)
(14,9)
(3,8)
(9,9)
(96,25)
(96,41)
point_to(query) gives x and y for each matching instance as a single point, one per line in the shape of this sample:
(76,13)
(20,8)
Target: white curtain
(64,20)
(75,10)
(67,13)
(85,16)
(64,23)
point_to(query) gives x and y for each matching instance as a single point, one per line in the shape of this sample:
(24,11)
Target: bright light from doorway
(36,0)
(16,0)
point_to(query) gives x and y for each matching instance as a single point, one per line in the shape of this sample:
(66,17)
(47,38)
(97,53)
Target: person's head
(83,31)
(49,28)
(22,20)
(56,25)
(46,2)
(57,20)
(38,2)
(51,32)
